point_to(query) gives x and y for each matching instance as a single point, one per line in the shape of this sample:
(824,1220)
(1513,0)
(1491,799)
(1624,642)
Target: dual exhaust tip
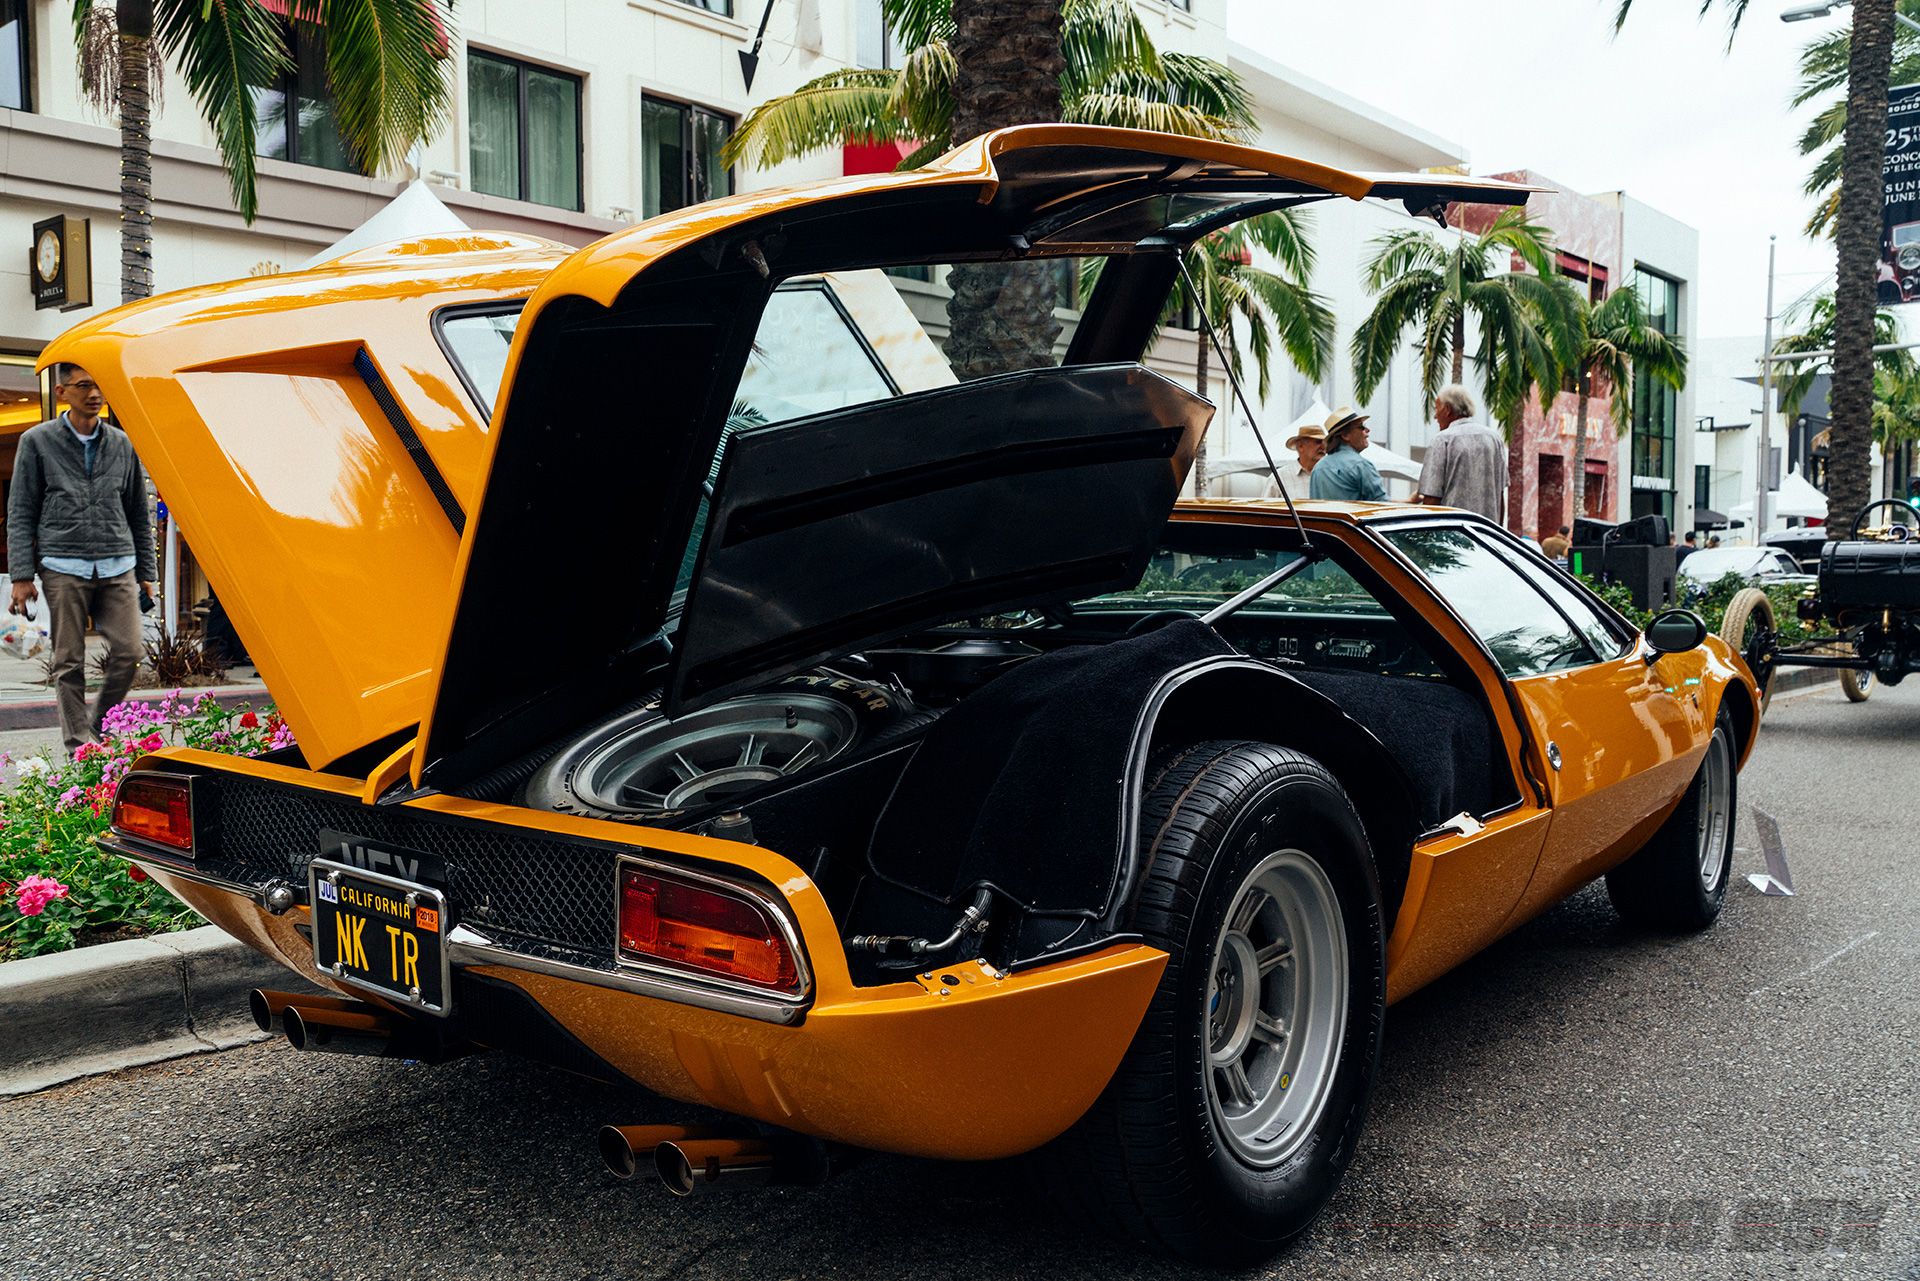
(691,1158)
(688,1158)
(335,1025)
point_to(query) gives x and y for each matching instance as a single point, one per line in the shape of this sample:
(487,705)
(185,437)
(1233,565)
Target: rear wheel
(1856,685)
(1678,880)
(1236,1110)
(1749,631)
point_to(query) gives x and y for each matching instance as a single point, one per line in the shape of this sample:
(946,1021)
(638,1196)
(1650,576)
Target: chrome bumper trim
(153,861)
(468,947)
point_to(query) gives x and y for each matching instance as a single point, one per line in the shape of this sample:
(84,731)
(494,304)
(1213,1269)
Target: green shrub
(1711,604)
(55,885)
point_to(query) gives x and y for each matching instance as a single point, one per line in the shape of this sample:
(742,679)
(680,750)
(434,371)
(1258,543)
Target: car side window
(1526,634)
(1605,641)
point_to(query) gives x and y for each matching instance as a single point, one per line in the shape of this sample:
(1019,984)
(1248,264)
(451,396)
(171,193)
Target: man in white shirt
(1466,464)
(1292,479)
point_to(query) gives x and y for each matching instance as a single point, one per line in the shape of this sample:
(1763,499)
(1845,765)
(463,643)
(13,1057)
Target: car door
(1619,743)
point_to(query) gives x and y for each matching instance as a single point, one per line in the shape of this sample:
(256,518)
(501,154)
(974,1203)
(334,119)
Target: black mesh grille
(503,879)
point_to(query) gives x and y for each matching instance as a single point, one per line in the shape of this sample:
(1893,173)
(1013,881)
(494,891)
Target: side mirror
(1675,631)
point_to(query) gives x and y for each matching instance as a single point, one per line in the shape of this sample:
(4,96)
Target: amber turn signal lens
(708,930)
(155,809)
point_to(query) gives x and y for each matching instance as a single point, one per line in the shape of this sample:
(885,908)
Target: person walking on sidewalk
(78,514)
(1466,464)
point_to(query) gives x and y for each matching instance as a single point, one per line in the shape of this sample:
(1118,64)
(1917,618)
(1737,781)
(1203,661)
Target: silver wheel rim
(715,753)
(1714,813)
(1276,1008)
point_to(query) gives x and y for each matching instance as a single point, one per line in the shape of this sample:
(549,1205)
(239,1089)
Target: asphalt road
(1581,1100)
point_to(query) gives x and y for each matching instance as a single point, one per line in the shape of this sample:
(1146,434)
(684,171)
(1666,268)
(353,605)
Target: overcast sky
(1666,111)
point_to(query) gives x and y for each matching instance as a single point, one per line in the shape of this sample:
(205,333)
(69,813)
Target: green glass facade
(1655,407)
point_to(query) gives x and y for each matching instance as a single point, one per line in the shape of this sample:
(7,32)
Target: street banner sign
(1900,208)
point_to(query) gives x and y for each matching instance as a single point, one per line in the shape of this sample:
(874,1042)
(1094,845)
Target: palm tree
(386,65)
(1857,222)
(1271,304)
(1616,344)
(1793,379)
(1529,322)
(1823,70)
(1109,73)
(1896,415)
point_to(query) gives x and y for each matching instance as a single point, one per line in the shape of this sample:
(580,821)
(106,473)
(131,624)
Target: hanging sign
(1900,200)
(60,263)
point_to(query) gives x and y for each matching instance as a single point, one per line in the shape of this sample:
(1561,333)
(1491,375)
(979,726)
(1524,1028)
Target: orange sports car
(762,657)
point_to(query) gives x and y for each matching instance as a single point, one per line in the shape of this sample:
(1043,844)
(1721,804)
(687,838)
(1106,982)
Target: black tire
(1678,879)
(1857,685)
(1157,1159)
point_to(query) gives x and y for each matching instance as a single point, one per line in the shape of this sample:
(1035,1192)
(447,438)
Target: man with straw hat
(1308,445)
(1343,473)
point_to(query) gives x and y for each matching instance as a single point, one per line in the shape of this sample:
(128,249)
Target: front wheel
(1236,1110)
(1678,880)
(1856,684)
(1748,630)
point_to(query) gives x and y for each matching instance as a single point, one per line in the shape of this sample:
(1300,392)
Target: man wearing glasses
(1343,473)
(78,514)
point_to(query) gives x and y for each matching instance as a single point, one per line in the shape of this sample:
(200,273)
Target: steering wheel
(1159,618)
(1888,533)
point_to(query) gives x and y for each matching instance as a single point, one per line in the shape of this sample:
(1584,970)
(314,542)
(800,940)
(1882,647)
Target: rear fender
(1242,698)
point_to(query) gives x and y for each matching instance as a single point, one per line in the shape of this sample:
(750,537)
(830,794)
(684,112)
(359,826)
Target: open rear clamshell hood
(832,531)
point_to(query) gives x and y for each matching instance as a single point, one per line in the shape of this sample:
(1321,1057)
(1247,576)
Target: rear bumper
(958,1064)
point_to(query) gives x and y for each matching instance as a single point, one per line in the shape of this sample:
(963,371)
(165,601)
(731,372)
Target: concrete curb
(120,1005)
(45,713)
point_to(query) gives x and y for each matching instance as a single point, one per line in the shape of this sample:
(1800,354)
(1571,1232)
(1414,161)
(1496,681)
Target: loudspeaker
(1642,531)
(1588,532)
(1647,572)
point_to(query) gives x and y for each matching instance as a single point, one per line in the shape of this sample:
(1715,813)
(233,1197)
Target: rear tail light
(157,808)
(706,928)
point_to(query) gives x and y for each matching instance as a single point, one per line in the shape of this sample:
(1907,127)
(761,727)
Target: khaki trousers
(114,606)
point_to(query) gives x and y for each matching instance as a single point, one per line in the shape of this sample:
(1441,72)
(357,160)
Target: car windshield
(1710,563)
(1185,578)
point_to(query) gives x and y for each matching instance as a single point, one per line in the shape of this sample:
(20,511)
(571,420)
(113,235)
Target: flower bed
(57,890)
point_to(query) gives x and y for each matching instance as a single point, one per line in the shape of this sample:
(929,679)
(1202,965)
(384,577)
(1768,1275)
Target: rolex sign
(60,263)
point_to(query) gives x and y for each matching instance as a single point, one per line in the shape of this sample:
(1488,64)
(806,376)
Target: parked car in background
(1763,565)
(1803,544)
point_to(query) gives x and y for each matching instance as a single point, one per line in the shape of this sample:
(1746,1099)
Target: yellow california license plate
(381,933)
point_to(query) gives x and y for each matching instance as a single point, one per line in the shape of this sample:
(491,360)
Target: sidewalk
(27,702)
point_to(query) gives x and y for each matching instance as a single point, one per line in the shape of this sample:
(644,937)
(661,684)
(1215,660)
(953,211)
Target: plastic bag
(21,638)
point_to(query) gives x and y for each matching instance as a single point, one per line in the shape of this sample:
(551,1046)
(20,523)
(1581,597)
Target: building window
(1655,406)
(680,161)
(874,46)
(523,131)
(722,7)
(13,55)
(1702,486)
(293,117)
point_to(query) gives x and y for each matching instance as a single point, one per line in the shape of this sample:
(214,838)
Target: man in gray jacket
(78,513)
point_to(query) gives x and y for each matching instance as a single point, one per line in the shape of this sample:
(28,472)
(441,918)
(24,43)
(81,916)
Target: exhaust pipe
(268,1006)
(701,1165)
(368,1032)
(625,1148)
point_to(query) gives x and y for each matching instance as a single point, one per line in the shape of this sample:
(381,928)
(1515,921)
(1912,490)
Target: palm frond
(923,91)
(1302,319)
(392,85)
(1102,38)
(223,48)
(918,22)
(824,112)
(1285,235)
(1401,253)
(1401,305)
(1128,111)
(1208,86)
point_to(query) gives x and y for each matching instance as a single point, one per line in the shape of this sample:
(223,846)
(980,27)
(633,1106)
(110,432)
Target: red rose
(249,721)
(133,870)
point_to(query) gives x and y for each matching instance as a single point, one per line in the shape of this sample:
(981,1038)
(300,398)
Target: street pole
(1762,453)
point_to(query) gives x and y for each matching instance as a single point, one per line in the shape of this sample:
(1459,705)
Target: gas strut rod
(1233,381)
(900,946)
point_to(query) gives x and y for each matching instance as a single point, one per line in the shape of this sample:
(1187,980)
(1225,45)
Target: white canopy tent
(1795,497)
(416,211)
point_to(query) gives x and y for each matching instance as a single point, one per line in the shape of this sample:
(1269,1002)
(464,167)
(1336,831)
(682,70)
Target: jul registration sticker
(328,892)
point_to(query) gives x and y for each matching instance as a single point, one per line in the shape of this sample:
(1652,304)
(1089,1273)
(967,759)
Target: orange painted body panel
(316,528)
(1460,892)
(994,1067)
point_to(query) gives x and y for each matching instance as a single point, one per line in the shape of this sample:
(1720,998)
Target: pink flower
(86,751)
(152,743)
(69,798)
(33,894)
